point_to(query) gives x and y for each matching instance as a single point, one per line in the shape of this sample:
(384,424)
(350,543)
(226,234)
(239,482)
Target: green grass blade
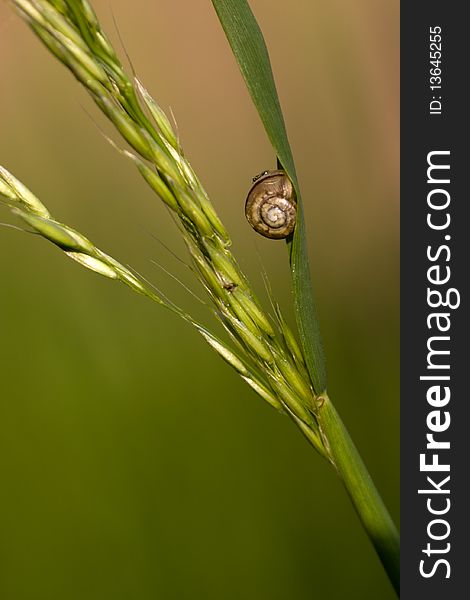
(249,48)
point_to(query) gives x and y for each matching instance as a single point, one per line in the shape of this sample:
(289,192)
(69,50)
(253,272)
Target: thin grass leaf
(248,46)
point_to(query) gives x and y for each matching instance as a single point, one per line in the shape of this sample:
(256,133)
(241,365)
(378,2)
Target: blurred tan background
(133,462)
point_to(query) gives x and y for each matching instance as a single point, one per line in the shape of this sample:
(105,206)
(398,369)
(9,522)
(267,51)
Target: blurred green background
(133,462)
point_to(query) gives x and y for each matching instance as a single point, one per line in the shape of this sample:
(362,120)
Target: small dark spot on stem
(230,286)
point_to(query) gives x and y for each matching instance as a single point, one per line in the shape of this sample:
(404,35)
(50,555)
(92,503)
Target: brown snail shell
(271,206)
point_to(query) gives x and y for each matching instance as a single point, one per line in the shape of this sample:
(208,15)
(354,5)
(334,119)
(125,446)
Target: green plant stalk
(361,489)
(249,48)
(76,39)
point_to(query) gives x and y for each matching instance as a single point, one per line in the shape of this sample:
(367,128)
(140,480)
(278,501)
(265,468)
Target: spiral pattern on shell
(271,207)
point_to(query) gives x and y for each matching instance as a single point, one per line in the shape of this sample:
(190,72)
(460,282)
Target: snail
(271,206)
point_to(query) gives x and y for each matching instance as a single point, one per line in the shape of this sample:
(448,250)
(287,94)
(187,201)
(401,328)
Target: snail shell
(271,206)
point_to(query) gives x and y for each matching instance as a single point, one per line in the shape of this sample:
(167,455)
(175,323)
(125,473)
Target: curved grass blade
(248,46)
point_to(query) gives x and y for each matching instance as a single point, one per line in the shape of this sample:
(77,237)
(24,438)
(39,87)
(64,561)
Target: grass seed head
(70,29)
